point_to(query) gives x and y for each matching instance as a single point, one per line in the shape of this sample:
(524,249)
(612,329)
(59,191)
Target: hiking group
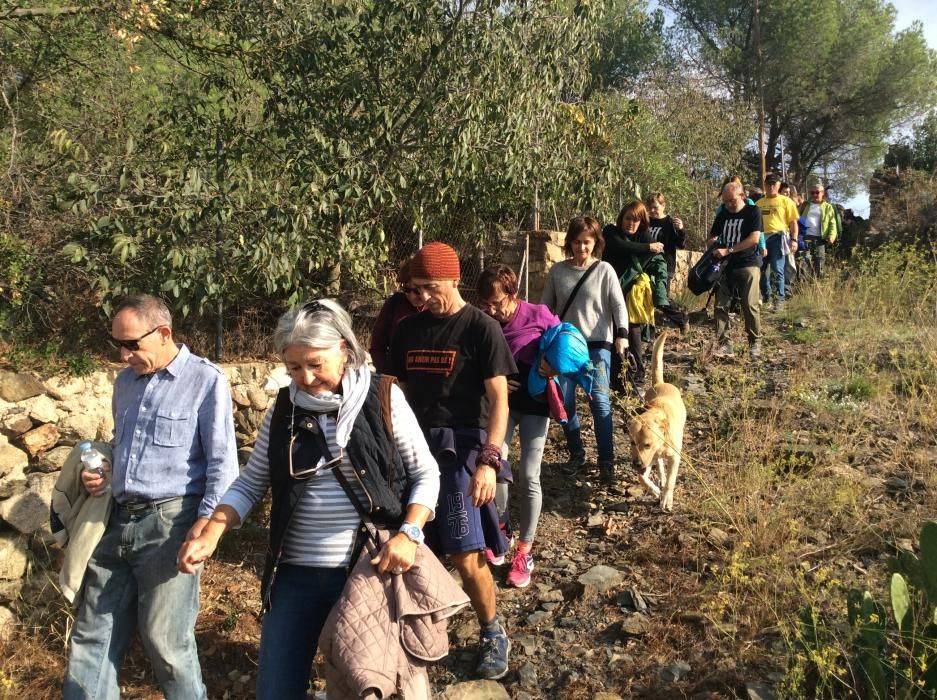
(375,472)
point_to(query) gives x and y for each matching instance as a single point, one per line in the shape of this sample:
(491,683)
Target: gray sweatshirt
(598,309)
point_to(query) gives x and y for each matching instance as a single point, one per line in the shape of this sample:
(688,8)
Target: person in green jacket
(630,248)
(821,229)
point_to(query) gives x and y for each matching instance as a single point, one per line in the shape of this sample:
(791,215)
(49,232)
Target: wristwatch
(731,250)
(412,531)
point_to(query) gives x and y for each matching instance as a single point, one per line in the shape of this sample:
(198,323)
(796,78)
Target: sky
(908,12)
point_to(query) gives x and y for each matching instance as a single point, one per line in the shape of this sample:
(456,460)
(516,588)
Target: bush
(886,652)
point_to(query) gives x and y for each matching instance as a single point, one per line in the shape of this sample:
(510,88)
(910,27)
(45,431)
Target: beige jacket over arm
(83,516)
(385,629)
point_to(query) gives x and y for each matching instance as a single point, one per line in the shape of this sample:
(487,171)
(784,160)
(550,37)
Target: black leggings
(636,350)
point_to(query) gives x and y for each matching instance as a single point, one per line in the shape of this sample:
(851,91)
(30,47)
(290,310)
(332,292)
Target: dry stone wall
(40,422)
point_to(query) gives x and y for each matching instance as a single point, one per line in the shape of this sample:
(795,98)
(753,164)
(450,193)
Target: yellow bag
(640,301)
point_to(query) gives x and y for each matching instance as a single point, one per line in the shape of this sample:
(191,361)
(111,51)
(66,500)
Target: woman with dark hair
(632,251)
(585,292)
(523,324)
(397,307)
(333,405)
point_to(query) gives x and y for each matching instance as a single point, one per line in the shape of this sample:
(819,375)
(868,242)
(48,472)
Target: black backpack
(706,272)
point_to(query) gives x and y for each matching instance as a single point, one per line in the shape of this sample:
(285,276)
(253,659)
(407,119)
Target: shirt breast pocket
(172,428)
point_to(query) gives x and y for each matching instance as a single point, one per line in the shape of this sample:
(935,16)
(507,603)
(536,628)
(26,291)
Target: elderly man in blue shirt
(174,457)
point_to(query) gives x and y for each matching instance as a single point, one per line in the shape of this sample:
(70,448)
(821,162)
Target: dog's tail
(657,361)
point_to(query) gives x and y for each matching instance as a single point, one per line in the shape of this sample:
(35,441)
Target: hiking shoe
(725,350)
(573,465)
(493,653)
(607,472)
(754,349)
(519,575)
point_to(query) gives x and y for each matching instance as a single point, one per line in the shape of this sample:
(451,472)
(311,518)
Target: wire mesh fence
(478,245)
(478,242)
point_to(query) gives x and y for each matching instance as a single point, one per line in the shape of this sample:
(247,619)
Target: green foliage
(836,76)
(21,284)
(801,336)
(259,154)
(854,387)
(895,282)
(49,358)
(630,42)
(904,206)
(889,652)
(919,151)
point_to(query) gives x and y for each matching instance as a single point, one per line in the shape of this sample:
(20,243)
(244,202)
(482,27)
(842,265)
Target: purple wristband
(489,455)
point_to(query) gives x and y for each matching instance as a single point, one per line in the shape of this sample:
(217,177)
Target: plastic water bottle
(93,461)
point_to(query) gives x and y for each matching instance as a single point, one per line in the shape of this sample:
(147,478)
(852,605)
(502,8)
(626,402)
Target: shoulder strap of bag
(572,295)
(383,391)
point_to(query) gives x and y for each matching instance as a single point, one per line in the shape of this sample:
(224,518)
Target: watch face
(413,532)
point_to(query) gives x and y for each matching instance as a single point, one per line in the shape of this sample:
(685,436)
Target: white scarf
(355,385)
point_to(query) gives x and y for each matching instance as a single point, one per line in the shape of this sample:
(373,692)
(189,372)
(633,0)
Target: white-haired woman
(314,524)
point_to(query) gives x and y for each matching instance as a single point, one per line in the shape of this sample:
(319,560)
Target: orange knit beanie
(435,261)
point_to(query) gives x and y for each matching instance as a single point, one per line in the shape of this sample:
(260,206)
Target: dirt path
(697,603)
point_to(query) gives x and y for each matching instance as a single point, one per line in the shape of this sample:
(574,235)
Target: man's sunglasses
(131,345)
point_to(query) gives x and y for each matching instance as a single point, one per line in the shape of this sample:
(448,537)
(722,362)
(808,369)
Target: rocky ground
(627,601)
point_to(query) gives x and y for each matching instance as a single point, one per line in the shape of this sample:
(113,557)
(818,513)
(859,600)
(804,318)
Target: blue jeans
(300,601)
(132,582)
(775,261)
(599,405)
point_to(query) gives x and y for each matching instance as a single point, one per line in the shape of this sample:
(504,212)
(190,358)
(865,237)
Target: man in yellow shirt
(779,217)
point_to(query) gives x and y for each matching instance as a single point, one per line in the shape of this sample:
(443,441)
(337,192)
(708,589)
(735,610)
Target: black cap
(772,179)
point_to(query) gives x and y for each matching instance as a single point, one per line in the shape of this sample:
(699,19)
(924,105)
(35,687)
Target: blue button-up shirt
(174,433)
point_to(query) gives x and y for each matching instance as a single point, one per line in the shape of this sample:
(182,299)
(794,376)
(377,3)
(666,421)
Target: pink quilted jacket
(385,629)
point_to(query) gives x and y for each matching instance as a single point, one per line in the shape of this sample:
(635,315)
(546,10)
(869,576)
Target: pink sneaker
(492,559)
(498,561)
(519,576)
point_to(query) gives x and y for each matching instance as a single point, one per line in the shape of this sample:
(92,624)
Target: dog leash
(629,375)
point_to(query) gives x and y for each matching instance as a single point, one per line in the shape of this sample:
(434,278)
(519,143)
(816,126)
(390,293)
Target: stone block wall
(40,422)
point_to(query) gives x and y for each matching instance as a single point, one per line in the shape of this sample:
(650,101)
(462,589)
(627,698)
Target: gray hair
(151,309)
(321,325)
(734,186)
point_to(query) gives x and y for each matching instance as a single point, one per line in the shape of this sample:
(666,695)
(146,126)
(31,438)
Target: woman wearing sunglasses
(397,307)
(322,444)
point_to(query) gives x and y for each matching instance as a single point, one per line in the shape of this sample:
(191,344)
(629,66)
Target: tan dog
(657,434)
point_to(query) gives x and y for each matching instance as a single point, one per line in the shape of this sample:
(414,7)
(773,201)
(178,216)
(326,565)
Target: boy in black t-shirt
(736,231)
(453,362)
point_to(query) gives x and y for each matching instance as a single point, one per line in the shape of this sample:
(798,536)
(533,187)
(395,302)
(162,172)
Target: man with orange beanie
(453,363)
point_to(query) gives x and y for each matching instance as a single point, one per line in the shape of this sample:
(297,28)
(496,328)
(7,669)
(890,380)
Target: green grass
(48,359)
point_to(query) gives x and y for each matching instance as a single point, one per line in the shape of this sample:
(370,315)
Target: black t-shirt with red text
(445,360)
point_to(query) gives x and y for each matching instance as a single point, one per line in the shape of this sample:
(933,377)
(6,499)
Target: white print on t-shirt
(732,231)
(656,232)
